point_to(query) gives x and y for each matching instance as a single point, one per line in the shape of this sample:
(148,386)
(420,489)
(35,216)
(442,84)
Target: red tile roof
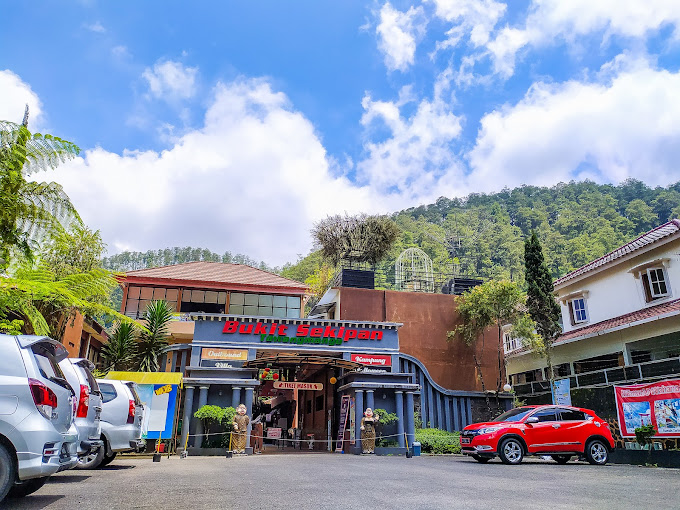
(659,311)
(654,235)
(217,272)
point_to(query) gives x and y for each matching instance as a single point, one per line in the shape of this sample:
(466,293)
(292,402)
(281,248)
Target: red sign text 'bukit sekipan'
(303,330)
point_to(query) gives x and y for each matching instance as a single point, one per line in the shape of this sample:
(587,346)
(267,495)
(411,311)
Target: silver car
(37,434)
(78,372)
(121,420)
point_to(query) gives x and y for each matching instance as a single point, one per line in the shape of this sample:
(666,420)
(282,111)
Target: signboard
(159,413)
(562,392)
(293,385)
(344,411)
(224,354)
(373,359)
(655,404)
(273,433)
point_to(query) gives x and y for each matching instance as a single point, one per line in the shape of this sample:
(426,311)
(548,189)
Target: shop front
(304,382)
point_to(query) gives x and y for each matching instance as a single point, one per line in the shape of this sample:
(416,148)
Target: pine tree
(541,304)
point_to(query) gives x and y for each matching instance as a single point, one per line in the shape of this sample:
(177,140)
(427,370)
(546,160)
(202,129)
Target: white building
(620,317)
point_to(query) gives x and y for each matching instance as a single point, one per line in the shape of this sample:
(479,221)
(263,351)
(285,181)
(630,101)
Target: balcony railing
(638,372)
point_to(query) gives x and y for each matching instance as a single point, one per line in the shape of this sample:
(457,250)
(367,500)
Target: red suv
(558,431)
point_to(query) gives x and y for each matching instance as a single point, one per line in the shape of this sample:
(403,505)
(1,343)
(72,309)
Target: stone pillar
(202,400)
(370,400)
(235,396)
(399,399)
(249,412)
(186,417)
(410,418)
(358,414)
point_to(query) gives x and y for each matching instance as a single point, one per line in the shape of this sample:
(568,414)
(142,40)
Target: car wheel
(91,460)
(107,459)
(7,471)
(597,452)
(480,459)
(561,459)
(511,451)
(28,487)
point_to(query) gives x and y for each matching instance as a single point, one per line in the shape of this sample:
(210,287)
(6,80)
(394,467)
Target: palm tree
(30,211)
(121,349)
(155,338)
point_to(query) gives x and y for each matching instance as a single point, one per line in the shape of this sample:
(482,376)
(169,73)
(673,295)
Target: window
(319,403)
(545,415)
(138,298)
(205,301)
(577,310)
(47,363)
(264,305)
(654,283)
(108,392)
(572,415)
(511,343)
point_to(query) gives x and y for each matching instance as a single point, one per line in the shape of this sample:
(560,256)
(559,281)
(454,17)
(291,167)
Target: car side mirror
(531,419)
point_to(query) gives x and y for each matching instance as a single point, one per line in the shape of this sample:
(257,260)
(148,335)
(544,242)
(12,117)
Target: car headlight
(488,430)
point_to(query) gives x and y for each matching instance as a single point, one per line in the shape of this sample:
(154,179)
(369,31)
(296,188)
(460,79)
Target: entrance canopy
(297,359)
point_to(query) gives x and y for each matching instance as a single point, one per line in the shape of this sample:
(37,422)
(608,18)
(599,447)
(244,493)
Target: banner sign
(298,385)
(159,414)
(656,404)
(344,411)
(562,392)
(224,354)
(373,359)
(273,433)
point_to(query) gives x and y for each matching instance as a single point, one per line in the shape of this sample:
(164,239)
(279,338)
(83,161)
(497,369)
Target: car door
(544,435)
(574,429)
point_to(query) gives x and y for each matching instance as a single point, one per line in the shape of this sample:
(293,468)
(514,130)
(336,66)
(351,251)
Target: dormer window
(577,309)
(654,279)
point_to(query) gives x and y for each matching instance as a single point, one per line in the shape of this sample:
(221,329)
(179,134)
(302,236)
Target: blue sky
(229,124)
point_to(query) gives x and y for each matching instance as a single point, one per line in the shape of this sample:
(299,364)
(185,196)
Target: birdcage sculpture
(413,271)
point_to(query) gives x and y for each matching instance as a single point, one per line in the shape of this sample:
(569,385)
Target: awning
(297,359)
(147,377)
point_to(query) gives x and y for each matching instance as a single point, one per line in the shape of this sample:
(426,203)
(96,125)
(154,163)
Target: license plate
(97,414)
(464,440)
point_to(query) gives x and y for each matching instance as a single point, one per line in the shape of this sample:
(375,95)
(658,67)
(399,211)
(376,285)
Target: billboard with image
(656,404)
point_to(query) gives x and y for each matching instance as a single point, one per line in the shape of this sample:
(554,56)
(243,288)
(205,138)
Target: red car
(558,431)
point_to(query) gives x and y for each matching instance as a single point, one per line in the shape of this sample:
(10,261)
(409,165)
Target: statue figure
(368,423)
(240,429)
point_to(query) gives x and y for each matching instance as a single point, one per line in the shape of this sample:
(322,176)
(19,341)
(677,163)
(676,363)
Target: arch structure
(413,271)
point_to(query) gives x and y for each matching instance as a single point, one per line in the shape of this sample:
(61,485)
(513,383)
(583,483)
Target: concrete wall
(426,319)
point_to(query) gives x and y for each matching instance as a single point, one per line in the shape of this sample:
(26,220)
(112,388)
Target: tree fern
(155,338)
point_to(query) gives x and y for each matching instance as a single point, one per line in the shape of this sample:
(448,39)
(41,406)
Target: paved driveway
(312,481)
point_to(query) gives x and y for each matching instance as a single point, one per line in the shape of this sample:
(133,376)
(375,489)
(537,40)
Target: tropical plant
(494,303)
(30,211)
(437,441)
(541,304)
(11,327)
(154,338)
(644,435)
(120,351)
(359,238)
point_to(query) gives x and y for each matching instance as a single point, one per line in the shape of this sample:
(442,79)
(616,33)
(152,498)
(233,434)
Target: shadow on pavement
(34,501)
(117,467)
(68,478)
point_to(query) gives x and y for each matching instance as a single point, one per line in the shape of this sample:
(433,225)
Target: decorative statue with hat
(239,427)
(368,423)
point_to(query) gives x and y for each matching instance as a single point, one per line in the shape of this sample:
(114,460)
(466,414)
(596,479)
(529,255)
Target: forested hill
(576,223)
(132,260)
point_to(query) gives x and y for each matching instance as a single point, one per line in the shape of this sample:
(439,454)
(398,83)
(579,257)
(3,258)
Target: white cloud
(397,35)
(625,126)
(16,94)
(474,17)
(120,51)
(251,180)
(170,80)
(96,27)
(416,161)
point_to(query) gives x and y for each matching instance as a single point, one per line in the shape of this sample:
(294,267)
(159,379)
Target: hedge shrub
(437,441)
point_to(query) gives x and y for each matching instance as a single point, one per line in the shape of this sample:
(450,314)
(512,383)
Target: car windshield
(515,415)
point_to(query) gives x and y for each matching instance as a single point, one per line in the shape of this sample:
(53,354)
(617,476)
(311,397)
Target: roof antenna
(25,121)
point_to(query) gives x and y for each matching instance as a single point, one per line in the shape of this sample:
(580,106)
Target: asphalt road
(312,481)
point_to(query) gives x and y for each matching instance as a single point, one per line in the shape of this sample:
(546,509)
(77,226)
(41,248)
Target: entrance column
(202,400)
(399,398)
(370,400)
(410,418)
(235,396)
(186,417)
(249,412)
(358,414)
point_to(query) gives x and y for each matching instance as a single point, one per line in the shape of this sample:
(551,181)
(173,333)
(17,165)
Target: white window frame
(664,280)
(575,312)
